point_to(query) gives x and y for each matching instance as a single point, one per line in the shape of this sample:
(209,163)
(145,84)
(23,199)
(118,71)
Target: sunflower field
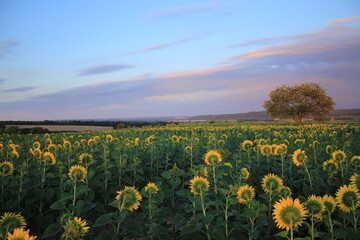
(190,181)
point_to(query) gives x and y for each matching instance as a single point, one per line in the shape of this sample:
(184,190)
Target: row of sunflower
(220,181)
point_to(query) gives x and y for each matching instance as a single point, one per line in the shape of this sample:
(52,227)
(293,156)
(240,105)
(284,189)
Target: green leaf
(104,219)
(58,205)
(51,230)
(282,234)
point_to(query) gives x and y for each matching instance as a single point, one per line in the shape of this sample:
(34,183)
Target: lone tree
(299,101)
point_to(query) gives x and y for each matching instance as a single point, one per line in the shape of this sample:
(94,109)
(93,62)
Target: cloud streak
(21,89)
(7,47)
(182,10)
(2,81)
(101,69)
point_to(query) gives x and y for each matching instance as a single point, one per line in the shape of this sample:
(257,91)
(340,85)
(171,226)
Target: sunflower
(271,182)
(85,158)
(67,144)
(266,150)
(36,145)
(52,148)
(289,213)
(339,155)
(199,185)
(137,141)
(204,171)
(75,228)
(330,203)
(245,174)
(356,161)
(246,145)
(129,199)
(188,149)
(49,158)
(330,166)
(299,157)
(77,173)
(175,139)
(6,168)
(91,142)
(245,193)
(280,149)
(212,157)
(20,234)
(10,221)
(315,206)
(109,138)
(151,188)
(355,180)
(285,192)
(348,198)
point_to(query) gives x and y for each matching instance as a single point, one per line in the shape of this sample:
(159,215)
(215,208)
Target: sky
(118,59)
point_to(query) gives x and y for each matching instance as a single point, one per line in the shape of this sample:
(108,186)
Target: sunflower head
(75,228)
(48,158)
(151,189)
(356,161)
(212,157)
(247,145)
(289,213)
(285,192)
(266,150)
(77,173)
(52,148)
(280,149)
(129,199)
(330,166)
(10,221)
(85,158)
(245,174)
(204,171)
(36,145)
(315,206)
(245,193)
(271,183)
(299,157)
(355,180)
(66,144)
(188,149)
(175,139)
(330,203)
(348,198)
(109,138)
(6,168)
(199,185)
(339,156)
(20,234)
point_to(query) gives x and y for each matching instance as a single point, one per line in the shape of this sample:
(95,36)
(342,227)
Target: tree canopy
(299,101)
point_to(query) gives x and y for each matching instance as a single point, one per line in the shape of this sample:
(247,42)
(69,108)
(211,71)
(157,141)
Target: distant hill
(337,114)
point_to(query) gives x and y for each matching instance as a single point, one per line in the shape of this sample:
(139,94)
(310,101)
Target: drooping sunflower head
(355,180)
(36,145)
(339,156)
(247,145)
(6,168)
(330,166)
(129,199)
(85,158)
(212,157)
(348,198)
(75,228)
(199,185)
(356,161)
(289,213)
(271,183)
(266,150)
(245,193)
(204,171)
(91,142)
(299,157)
(245,174)
(77,173)
(175,139)
(109,138)
(285,192)
(315,206)
(20,234)
(66,144)
(330,203)
(48,158)
(151,189)
(52,148)
(10,221)
(281,149)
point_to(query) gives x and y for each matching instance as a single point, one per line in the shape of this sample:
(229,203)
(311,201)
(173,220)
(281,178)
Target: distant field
(61,128)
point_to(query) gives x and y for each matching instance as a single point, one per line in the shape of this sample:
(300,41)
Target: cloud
(2,81)
(344,20)
(101,69)
(181,10)
(21,89)
(262,41)
(7,47)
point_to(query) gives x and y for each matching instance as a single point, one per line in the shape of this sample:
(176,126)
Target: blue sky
(105,59)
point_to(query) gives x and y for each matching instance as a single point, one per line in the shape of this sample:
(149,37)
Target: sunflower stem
(74,196)
(354,216)
(312,228)
(214,177)
(308,174)
(291,229)
(330,225)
